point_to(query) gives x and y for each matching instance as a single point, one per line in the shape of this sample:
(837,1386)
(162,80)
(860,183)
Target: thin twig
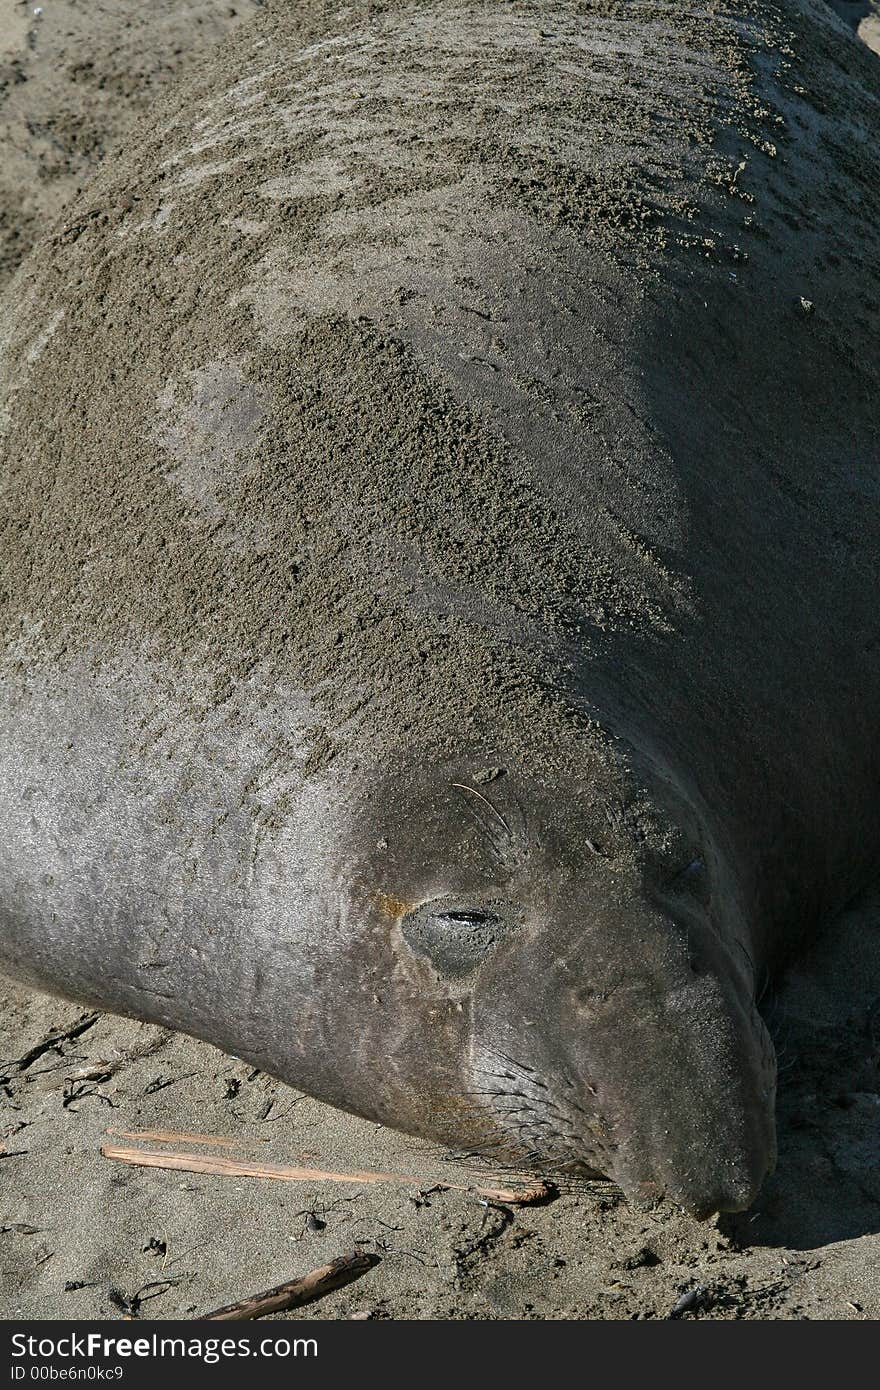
(472,791)
(54,1040)
(169,1136)
(343,1270)
(516,1196)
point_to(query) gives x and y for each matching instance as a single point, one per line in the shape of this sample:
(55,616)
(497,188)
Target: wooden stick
(54,1040)
(343,1270)
(170,1136)
(238,1167)
(250,1168)
(515,1196)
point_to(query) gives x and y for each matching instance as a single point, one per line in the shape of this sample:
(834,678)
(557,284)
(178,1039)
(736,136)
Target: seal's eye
(457,939)
(467,919)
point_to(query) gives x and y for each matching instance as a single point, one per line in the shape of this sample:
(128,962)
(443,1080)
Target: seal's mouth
(732,1186)
(701,1185)
(704,1200)
(674,1101)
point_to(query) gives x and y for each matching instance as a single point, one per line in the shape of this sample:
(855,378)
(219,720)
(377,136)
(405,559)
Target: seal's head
(568,994)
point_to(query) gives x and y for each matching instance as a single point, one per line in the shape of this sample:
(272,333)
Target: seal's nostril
(701,1212)
(648,1192)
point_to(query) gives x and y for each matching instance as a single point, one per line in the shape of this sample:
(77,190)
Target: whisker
(472,791)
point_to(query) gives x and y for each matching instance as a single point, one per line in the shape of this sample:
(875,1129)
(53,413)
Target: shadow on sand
(826,1021)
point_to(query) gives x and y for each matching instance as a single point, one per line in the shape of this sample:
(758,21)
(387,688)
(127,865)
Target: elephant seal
(440,554)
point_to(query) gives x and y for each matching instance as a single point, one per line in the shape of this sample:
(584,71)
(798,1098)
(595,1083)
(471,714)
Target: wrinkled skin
(611,1022)
(508,969)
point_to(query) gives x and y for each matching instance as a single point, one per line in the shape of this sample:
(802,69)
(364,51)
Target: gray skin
(552,962)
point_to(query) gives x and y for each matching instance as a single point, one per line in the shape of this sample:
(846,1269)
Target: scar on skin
(391,905)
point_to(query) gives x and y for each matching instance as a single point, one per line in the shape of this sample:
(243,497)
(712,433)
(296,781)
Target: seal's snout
(702,1179)
(644,1058)
(711,1188)
(698,1127)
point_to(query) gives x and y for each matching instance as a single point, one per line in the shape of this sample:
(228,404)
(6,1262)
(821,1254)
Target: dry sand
(80,1235)
(74,75)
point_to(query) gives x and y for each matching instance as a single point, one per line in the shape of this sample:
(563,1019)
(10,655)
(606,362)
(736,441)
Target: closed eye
(467,919)
(457,939)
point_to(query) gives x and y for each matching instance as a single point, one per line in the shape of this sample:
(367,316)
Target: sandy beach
(83,1235)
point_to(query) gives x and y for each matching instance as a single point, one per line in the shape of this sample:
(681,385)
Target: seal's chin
(700,1180)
